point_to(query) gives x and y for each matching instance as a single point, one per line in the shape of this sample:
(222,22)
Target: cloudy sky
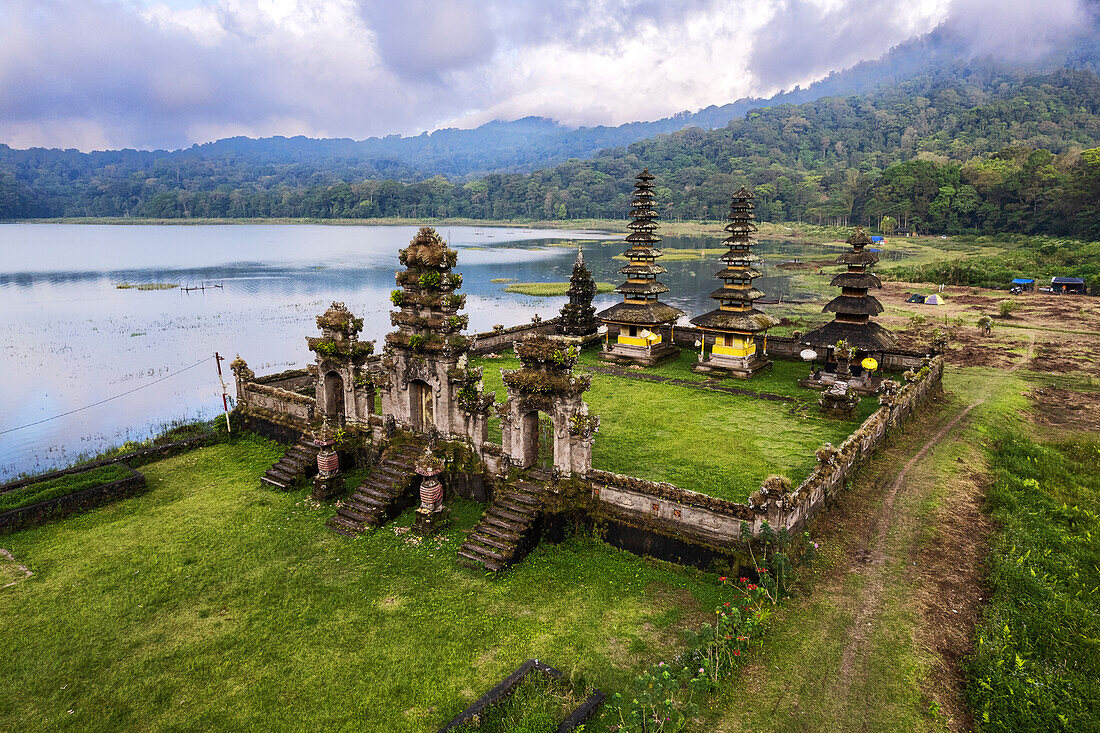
(94,74)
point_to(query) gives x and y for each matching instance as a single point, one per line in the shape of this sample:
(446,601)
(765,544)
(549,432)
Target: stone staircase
(299,462)
(502,536)
(385,492)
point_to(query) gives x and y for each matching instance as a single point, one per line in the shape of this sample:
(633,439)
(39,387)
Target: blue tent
(1023,281)
(876,238)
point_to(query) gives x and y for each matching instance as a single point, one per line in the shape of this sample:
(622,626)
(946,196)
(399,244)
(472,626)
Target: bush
(1006,308)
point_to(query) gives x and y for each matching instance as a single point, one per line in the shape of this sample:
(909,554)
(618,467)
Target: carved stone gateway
(426,384)
(545,383)
(344,393)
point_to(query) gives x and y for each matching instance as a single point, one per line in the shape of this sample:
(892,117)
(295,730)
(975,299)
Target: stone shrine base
(327,488)
(625,355)
(428,523)
(859,385)
(728,366)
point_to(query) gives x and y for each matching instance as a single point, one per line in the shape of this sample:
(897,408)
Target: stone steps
(500,538)
(382,495)
(296,465)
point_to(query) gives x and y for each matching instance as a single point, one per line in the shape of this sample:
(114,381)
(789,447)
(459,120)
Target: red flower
(722,579)
(736,652)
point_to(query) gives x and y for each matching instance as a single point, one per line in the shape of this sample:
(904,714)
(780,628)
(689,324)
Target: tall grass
(1036,664)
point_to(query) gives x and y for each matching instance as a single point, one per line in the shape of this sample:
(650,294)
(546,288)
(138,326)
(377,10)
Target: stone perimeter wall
(293,406)
(701,519)
(492,341)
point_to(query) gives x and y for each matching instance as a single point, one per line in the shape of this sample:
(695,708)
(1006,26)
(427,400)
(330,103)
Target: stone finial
(241,370)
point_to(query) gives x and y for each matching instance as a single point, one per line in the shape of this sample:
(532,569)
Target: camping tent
(934,299)
(915,298)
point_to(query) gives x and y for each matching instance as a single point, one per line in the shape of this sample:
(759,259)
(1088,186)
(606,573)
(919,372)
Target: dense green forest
(959,150)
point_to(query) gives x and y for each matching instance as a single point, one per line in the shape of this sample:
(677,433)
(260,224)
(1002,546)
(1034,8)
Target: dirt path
(876,555)
(878,645)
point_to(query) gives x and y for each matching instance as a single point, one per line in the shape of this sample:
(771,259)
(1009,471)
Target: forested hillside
(961,149)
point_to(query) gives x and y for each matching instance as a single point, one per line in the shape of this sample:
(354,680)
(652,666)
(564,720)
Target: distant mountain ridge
(515,146)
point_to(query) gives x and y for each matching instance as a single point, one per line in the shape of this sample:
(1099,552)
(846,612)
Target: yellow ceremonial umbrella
(869,364)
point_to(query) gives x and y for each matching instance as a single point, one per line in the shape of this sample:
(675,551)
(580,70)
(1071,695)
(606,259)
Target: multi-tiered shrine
(425,382)
(854,307)
(635,327)
(578,316)
(729,342)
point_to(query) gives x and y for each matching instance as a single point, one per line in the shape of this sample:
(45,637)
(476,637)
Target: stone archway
(334,397)
(421,405)
(535,440)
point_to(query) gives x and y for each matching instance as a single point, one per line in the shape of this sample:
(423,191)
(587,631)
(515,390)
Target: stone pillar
(329,482)
(432,514)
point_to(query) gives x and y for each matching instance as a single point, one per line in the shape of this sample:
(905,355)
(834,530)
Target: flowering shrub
(664,696)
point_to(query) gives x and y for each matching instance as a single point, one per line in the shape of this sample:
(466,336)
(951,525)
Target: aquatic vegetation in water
(550,289)
(146,286)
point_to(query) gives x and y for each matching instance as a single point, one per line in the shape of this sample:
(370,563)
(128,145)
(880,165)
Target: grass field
(717,444)
(211,604)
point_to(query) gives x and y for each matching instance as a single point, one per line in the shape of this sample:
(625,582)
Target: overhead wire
(108,399)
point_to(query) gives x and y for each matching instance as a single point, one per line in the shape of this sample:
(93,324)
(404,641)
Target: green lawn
(209,603)
(714,443)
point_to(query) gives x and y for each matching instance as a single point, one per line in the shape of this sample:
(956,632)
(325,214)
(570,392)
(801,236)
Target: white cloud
(95,73)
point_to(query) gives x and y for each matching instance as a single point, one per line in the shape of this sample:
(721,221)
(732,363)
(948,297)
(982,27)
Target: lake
(86,365)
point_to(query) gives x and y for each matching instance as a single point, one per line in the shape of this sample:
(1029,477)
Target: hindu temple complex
(729,333)
(639,328)
(418,418)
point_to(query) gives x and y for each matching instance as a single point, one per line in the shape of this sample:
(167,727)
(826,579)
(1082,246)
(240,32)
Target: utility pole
(225,391)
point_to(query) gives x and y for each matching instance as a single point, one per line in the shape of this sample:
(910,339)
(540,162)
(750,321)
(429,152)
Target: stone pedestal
(838,401)
(327,488)
(329,482)
(429,522)
(431,515)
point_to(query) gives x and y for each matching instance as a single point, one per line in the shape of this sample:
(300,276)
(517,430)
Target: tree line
(935,154)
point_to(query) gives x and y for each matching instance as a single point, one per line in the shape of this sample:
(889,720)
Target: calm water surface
(69,338)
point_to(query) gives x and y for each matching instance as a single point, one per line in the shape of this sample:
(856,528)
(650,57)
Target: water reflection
(69,337)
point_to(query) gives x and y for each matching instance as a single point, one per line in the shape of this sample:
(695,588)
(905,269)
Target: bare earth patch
(11,572)
(1064,408)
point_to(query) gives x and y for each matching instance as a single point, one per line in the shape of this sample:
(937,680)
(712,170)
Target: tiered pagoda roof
(736,312)
(578,317)
(641,305)
(428,320)
(854,306)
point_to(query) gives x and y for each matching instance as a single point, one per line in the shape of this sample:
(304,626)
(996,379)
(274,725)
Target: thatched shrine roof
(639,314)
(751,321)
(860,305)
(868,336)
(856,280)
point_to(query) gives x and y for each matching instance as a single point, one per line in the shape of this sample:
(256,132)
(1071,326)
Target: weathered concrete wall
(297,407)
(689,516)
(491,341)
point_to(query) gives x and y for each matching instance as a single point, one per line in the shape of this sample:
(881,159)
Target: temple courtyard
(668,423)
